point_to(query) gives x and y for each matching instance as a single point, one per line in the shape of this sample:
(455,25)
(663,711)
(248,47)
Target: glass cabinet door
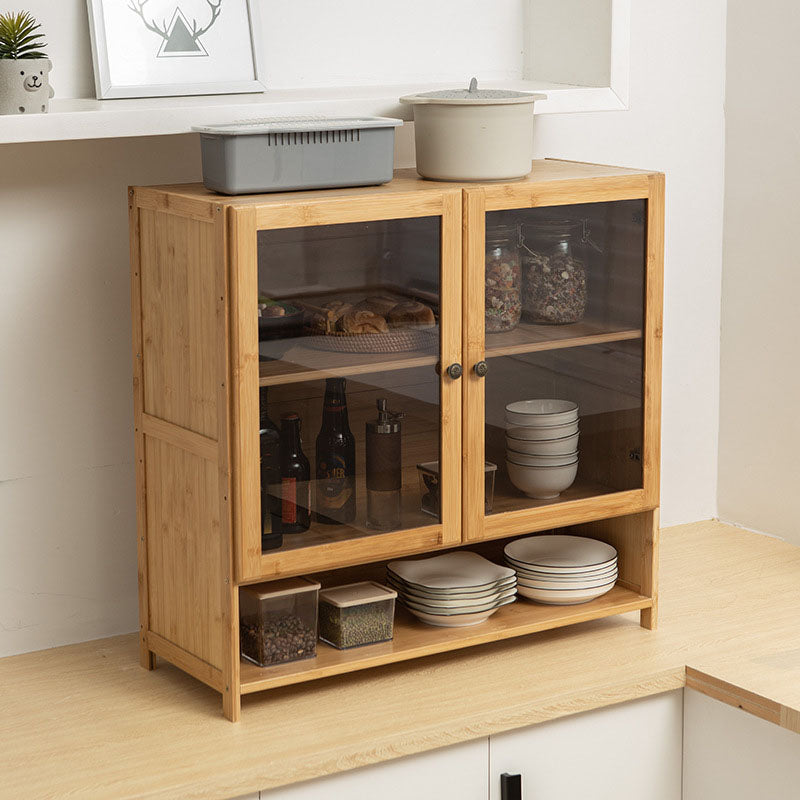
(563,293)
(350,393)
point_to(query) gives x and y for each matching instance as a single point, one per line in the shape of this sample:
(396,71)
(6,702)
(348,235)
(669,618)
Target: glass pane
(564,321)
(348,348)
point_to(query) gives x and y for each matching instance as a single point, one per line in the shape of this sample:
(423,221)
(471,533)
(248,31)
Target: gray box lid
(250,127)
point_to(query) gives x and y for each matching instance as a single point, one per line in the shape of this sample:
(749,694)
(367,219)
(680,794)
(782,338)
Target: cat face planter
(25,85)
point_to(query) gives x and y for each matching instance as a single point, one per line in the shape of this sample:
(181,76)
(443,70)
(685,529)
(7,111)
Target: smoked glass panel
(348,314)
(564,321)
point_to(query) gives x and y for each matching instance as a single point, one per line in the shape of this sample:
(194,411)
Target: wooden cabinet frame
(194,265)
(244,223)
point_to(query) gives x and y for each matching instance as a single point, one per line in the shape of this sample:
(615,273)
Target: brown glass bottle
(335,497)
(269,446)
(295,478)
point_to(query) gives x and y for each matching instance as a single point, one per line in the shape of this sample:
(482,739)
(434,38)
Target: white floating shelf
(159,116)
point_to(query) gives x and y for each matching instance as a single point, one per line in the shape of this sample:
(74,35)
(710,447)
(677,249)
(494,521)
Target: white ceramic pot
(25,85)
(473,134)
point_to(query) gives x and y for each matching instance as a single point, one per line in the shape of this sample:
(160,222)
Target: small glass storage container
(278,621)
(356,614)
(503,279)
(431,495)
(554,271)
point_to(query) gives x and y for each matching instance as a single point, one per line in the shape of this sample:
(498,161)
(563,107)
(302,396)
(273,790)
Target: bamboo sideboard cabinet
(201,266)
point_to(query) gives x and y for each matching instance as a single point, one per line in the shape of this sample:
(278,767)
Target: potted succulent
(24,68)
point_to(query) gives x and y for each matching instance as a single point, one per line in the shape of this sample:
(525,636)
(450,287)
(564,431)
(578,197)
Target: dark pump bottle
(295,478)
(335,500)
(269,447)
(384,470)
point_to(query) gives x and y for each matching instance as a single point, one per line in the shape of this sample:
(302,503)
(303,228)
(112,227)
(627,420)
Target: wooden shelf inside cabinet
(300,364)
(414,639)
(530,338)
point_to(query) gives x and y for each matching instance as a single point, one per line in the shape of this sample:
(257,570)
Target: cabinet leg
(147,658)
(232,703)
(648,618)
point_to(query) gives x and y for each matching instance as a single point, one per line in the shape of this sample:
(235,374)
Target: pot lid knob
(473,85)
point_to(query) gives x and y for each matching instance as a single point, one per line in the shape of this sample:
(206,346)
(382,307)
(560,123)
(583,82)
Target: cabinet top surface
(89,718)
(407,181)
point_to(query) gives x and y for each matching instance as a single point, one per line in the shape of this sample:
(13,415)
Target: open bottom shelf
(414,639)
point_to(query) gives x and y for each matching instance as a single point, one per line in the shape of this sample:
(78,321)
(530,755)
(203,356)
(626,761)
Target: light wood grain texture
(180,437)
(580,503)
(244,391)
(229,685)
(203,671)
(451,353)
(527,338)
(654,289)
(89,718)
(179,205)
(414,639)
(405,181)
(337,209)
(530,193)
(301,364)
(185,551)
(146,657)
(636,539)
(178,283)
(474,389)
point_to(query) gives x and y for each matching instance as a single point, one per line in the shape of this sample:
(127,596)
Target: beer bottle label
(289,500)
(335,488)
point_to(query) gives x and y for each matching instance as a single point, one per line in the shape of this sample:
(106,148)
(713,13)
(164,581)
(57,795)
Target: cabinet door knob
(510,787)
(481,369)
(455,371)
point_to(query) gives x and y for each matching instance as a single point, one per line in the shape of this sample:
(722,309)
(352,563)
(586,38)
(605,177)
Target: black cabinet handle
(510,787)
(455,371)
(481,369)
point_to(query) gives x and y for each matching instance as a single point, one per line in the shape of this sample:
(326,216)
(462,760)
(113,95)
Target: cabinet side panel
(635,538)
(185,550)
(179,320)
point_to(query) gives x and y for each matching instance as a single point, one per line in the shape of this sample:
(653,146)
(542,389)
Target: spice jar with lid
(356,614)
(503,278)
(554,271)
(278,621)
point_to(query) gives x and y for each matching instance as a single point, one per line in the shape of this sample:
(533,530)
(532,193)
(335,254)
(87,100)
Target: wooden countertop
(86,721)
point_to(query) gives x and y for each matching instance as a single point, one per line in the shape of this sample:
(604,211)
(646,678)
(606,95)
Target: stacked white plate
(542,446)
(453,590)
(562,570)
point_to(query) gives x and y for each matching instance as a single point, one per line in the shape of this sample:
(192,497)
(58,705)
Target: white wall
(67,549)
(760,379)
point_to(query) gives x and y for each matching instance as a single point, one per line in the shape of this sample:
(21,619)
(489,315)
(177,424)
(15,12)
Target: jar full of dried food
(503,278)
(554,271)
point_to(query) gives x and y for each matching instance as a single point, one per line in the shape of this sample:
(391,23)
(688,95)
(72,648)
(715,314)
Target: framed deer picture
(158,48)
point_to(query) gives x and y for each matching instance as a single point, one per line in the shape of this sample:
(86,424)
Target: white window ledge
(93,119)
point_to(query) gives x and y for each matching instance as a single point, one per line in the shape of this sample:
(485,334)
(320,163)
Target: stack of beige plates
(562,570)
(542,446)
(453,590)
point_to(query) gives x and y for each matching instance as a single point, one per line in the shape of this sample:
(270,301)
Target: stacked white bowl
(562,570)
(453,590)
(542,446)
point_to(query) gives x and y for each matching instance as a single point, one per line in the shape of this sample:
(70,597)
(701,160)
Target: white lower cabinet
(732,755)
(460,772)
(630,751)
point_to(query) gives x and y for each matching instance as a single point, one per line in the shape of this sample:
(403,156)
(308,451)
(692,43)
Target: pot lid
(483,97)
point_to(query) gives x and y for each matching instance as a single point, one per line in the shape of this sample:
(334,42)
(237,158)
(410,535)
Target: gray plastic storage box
(285,153)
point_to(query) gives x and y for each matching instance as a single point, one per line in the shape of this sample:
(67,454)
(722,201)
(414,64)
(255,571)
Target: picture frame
(173,48)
